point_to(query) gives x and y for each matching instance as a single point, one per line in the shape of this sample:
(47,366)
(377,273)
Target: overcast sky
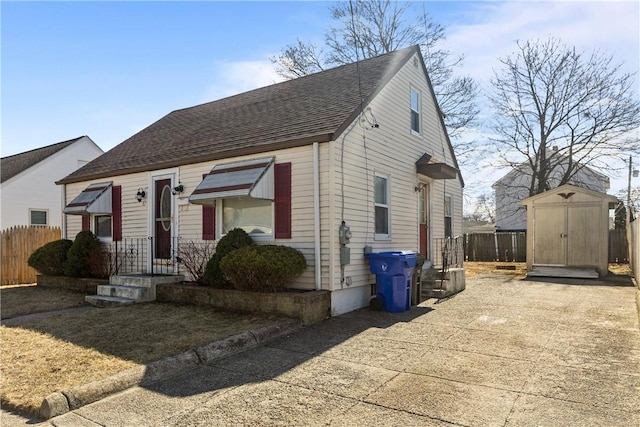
(109,69)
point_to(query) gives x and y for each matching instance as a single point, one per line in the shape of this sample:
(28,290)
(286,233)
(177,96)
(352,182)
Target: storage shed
(568,232)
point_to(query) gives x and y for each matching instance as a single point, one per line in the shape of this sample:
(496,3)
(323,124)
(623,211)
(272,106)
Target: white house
(361,145)
(512,188)
(28,191)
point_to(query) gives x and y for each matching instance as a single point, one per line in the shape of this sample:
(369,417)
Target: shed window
(415,111)
(37,217)
(381,189)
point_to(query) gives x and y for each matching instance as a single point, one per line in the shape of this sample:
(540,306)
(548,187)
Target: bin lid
(392,254)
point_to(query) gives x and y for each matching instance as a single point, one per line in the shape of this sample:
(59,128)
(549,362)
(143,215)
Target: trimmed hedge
(234,239)
(50,258)
(265,268)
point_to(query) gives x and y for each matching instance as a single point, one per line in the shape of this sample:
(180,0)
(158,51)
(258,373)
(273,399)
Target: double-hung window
(448,208)
(381,198)
(415,111)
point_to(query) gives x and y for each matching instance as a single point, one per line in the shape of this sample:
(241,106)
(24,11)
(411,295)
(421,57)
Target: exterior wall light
(140,195)
(178,189)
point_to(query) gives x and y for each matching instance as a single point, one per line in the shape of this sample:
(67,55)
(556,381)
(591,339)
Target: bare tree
(298,60)
(364,29)
(562,112)
(485,208)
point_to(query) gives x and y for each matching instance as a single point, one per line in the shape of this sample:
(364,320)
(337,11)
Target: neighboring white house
(28,191)
(361,145)
(512,188)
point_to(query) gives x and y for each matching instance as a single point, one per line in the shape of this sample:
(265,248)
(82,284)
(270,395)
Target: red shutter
(116,212)
(208,221)
(282,204)
(86,222)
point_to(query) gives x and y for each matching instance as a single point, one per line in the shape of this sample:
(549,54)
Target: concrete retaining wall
(87,286)
(310,307)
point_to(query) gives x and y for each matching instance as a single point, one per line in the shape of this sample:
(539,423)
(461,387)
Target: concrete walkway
(505,352)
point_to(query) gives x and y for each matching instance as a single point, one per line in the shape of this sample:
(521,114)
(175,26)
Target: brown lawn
(511,268)
(40,357)
(18,300)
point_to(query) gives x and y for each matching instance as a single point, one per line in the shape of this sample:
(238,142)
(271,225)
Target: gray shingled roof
(12,165)
(314,108)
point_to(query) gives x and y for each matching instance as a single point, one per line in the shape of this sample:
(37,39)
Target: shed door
(550,235)
(583,240)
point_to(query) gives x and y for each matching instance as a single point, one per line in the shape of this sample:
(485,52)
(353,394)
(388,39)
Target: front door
(423,219)
(162,219)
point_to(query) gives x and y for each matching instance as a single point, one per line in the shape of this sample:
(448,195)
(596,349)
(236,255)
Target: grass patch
(18,300)
(40,357)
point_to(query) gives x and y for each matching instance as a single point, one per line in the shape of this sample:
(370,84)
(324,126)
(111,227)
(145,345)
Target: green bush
(263,268)
(85,257)
(234,239)
(49,259)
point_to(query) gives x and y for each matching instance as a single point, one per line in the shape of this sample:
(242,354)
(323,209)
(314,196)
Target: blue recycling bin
(394,274)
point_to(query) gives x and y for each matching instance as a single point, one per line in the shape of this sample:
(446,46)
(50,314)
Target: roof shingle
(12,165)
(314,108)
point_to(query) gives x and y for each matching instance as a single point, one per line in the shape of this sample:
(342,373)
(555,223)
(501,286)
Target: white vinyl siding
(392,151)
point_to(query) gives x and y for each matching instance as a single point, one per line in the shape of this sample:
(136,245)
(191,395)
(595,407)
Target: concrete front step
(434,287)
(107,301)
(433,293)
(137,293)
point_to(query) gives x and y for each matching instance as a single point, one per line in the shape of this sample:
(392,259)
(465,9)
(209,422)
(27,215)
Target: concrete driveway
(505,352)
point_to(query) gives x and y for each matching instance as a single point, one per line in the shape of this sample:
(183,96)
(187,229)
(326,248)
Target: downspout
(316,215)
(64,215)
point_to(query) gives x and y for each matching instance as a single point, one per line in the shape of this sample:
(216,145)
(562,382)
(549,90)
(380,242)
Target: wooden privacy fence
(512,247)
(634,248)
(618,247)
(509,247)
(18,243)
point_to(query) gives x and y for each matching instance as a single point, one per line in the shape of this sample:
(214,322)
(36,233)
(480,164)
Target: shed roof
(314,108)
(566,191)
(12,165)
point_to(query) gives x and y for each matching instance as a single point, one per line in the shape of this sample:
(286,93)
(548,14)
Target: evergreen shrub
(265,268)
(234,239)
(50,258)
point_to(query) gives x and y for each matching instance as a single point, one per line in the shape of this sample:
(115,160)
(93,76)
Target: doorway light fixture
(140,195)
(178,189)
